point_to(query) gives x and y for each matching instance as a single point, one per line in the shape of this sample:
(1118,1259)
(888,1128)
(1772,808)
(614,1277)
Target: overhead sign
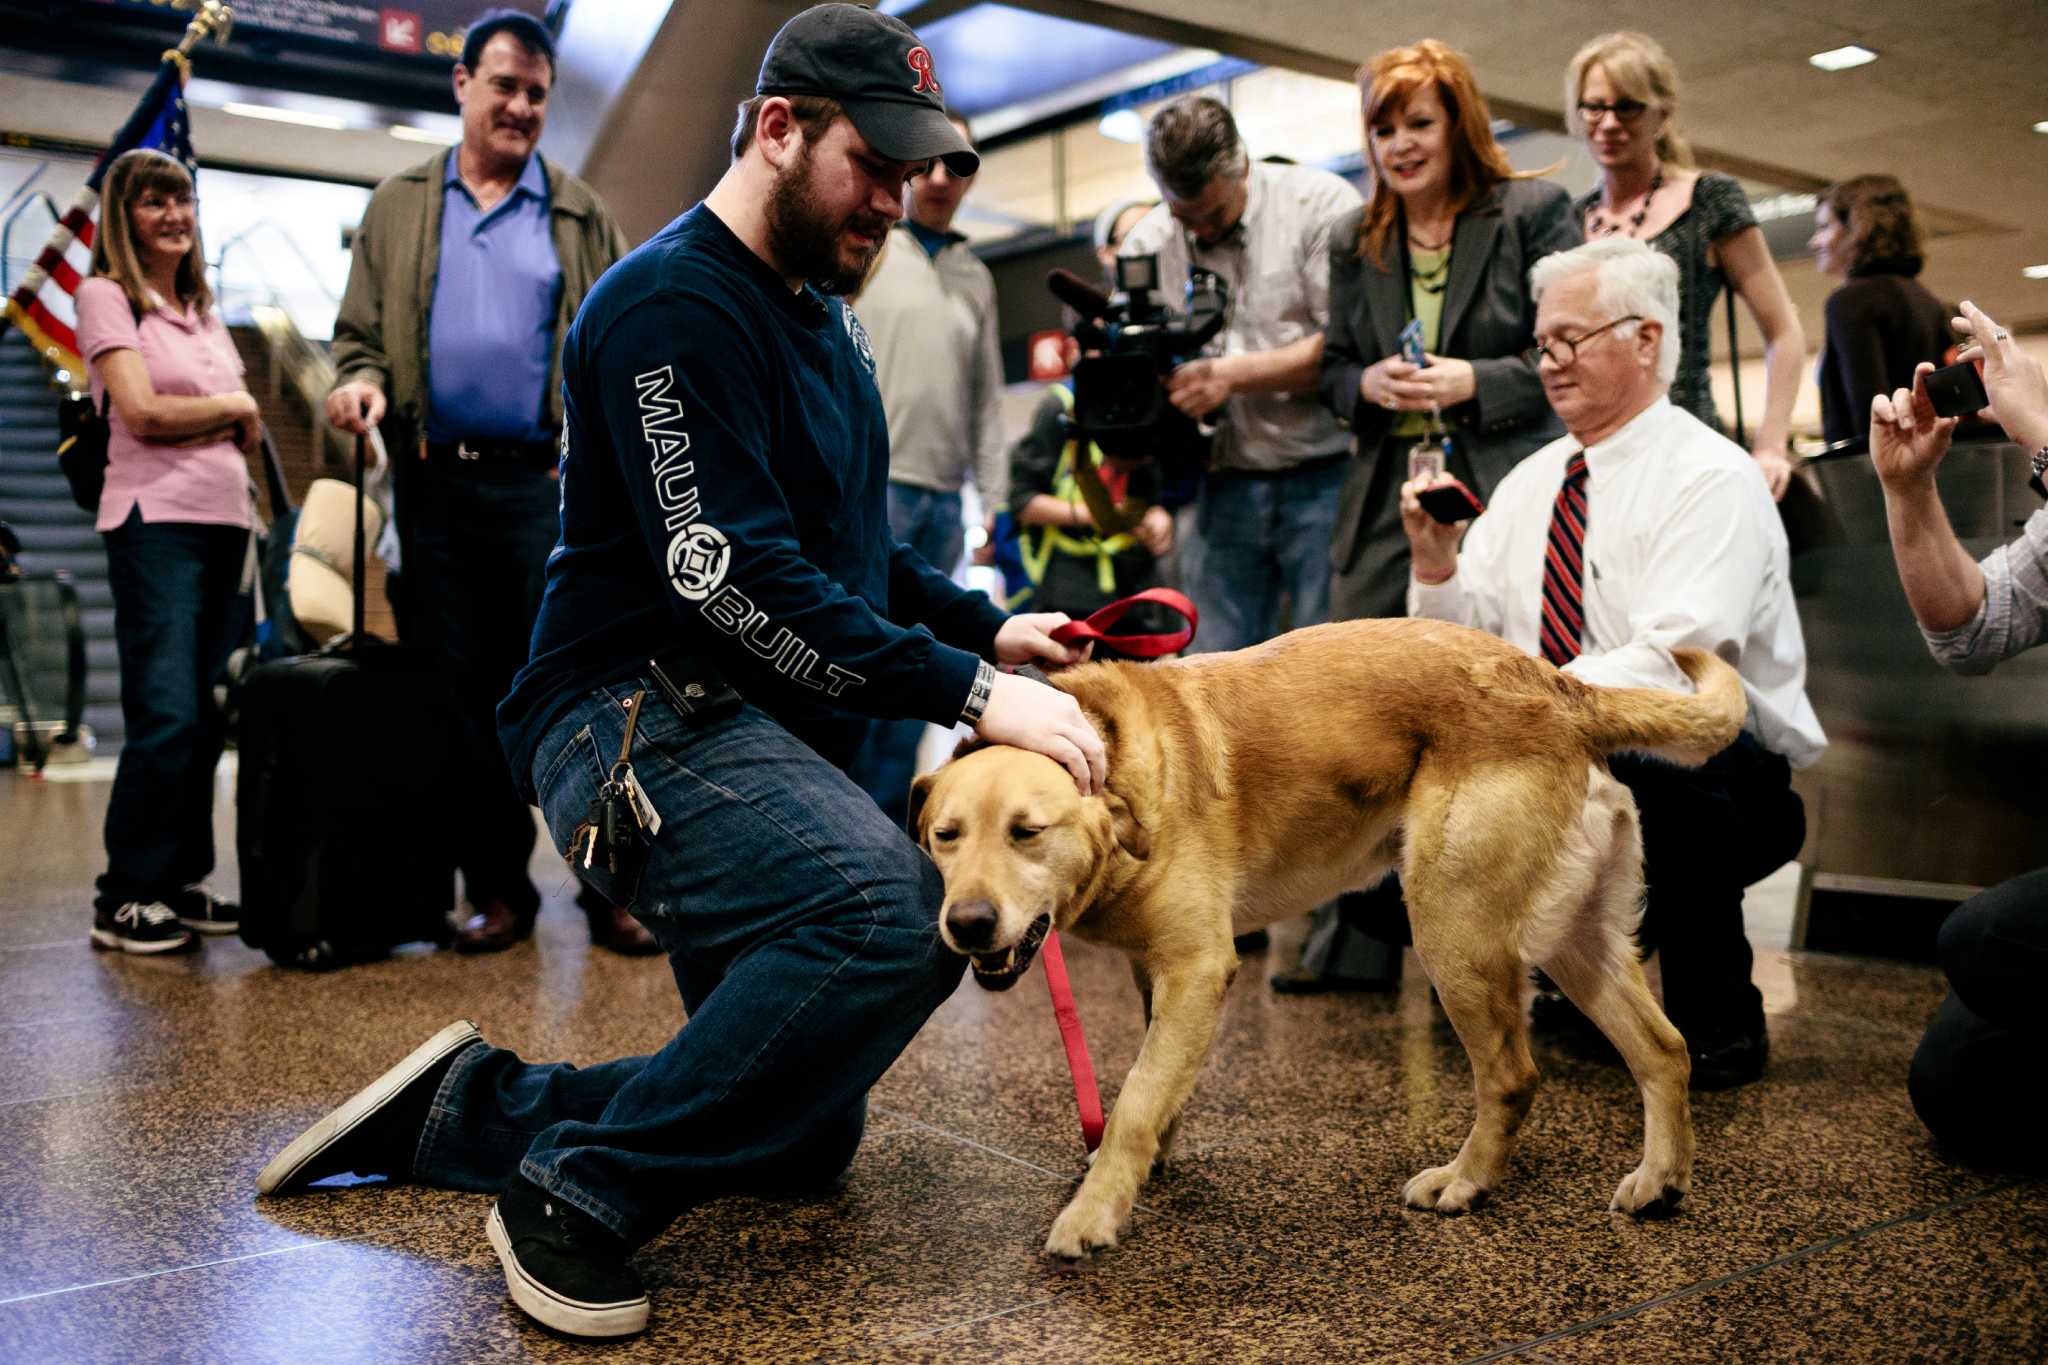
(413,28)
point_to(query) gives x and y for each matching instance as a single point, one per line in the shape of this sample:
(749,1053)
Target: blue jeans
(802,930)
(1256,538)
(929,523)
(178,613)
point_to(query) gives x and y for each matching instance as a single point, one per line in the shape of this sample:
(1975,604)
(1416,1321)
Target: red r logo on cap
(920,59)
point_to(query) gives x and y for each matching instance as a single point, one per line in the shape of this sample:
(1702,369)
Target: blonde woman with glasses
(1621,93)
(175,517)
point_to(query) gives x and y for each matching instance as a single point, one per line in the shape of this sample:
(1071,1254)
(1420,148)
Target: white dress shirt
(1683,547)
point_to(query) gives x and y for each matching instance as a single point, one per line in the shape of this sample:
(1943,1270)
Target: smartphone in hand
(1450,503)
(1411,344)
(1957,390)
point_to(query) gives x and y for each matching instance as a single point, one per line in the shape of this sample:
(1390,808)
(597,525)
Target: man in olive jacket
(467,271)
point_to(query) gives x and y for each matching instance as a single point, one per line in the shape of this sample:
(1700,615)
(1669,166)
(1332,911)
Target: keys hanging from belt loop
(623,764)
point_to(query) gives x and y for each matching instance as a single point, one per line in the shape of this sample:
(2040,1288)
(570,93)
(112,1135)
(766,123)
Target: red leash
(1086,1094)
(1096,627)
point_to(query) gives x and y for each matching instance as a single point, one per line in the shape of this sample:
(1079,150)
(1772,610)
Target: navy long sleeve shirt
(724,471)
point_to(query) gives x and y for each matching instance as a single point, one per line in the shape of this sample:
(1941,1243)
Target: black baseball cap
(878,71)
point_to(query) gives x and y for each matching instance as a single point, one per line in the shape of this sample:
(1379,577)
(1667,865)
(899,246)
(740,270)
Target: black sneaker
(378,1130)
(141,927)
(565,1269)
(205,913)
(1723,1059)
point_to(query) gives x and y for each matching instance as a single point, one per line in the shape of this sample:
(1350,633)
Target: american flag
(42,307)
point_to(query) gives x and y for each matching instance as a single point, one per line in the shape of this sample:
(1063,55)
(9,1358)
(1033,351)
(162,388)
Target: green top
(1428,272)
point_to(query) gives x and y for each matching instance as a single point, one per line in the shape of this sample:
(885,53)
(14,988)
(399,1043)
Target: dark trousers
(1708,832)
(1975,1079)
(474,542)
(801,926)
(178,613)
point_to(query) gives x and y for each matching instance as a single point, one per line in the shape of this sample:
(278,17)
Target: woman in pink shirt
(175,516)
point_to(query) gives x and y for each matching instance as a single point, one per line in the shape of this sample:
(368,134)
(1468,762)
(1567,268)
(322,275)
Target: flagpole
(215,19)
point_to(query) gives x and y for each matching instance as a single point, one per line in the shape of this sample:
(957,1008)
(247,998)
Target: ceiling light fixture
(273,115)
(409,133)
(2042,126)
(1842,58)
(1122,125)
(2036,272)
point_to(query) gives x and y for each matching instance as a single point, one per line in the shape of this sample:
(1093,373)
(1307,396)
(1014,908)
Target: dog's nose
(973,924)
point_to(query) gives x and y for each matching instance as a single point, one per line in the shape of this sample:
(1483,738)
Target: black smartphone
(1450,502)
(1957,390)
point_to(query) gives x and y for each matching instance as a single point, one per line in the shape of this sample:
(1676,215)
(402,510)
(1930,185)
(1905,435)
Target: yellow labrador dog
(1248,787)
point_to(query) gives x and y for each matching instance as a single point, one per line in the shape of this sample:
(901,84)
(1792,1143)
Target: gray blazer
(1488,319)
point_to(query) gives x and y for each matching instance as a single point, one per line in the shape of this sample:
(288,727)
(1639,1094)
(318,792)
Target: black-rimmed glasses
(1628,111)
(1562,351)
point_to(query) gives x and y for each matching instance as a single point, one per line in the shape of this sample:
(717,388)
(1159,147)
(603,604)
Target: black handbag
(82,435)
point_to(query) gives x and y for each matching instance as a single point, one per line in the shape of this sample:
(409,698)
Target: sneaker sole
(109,942)
(365,1102)
(210,926)
(550,1309)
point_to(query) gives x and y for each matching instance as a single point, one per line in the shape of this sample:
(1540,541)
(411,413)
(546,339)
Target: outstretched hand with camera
(1907,437)
(2012,379)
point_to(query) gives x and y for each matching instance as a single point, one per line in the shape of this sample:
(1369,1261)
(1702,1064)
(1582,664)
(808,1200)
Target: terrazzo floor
(139,1098)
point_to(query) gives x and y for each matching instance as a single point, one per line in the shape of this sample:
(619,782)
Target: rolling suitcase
(342,759)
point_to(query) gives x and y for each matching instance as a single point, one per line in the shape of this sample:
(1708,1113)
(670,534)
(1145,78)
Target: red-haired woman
(1446,239)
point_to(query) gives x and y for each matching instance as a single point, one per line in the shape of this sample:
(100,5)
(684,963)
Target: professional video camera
(1130,342)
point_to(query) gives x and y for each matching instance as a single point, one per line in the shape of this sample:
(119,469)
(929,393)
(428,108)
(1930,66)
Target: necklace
(1420,245)
(1604,226)
(1436,278)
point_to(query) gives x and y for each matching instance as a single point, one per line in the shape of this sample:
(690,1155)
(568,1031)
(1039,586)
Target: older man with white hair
(1641,531)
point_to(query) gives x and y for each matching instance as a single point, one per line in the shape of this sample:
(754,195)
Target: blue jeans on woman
(802,928)
(928,521)
(178,614)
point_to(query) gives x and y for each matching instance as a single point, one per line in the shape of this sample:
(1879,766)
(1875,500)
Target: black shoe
(378,1129)
(565,1269)
(1724,1059)
(1301,981)
(1257,941)
(141,927)
(203,912)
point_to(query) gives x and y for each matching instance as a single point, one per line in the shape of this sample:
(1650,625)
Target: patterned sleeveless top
(1719,209)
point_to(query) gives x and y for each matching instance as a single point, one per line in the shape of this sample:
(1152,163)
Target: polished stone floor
(138,1099)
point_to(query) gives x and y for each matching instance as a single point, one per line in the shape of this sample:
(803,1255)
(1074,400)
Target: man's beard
(805,240)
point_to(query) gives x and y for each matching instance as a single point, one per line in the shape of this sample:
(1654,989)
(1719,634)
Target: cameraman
(1268,506)
(1967,1078)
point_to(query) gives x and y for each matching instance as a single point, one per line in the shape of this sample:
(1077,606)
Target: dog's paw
(1647,1194)
(1082,1228)
(1445,1190)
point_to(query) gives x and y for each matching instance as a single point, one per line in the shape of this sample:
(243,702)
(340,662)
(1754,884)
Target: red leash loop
(1086,1095)
(1096,627)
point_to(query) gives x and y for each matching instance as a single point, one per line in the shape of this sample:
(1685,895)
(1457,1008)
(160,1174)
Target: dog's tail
(1671,725)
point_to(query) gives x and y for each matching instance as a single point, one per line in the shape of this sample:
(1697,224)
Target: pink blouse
(186,356)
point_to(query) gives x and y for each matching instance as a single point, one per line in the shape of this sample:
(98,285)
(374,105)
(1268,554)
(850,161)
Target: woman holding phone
(1620,95)
(175,515)
(1434,264)
(1437,258)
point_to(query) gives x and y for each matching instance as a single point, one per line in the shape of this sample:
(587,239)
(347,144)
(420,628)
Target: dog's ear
(1131,836)
(913,815)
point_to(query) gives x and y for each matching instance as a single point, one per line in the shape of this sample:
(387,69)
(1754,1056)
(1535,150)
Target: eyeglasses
(1628,111)
(1562,351)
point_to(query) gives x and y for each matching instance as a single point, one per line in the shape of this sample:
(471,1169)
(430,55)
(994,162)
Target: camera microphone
(1075,292)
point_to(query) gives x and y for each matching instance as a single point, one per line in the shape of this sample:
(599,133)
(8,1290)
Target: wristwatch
(978,695)
(2039,468)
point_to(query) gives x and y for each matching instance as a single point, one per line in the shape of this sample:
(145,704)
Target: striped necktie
(1564,568)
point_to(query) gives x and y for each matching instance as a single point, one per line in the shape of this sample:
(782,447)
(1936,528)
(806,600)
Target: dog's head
(1018,847)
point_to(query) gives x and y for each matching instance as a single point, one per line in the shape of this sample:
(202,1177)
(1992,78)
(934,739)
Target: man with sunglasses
(1641,531)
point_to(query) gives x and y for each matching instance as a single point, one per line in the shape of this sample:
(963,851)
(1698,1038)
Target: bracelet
(978,694)
(2039,466)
